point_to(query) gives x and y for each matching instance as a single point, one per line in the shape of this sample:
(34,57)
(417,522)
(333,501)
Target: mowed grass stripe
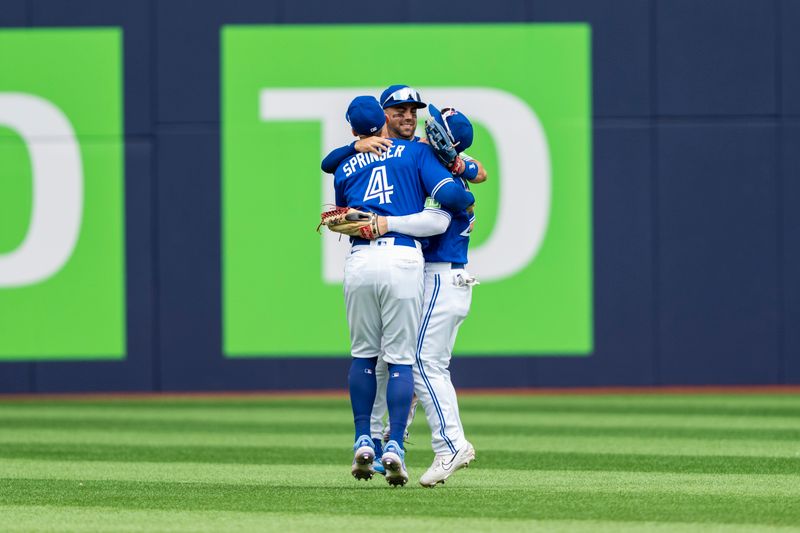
(111,423)
(781,406)
(47,519)
(735,404)
(488,459)
(495,402)
(466,502)
(419,444)
(325,417)
(339,476)
(633,408)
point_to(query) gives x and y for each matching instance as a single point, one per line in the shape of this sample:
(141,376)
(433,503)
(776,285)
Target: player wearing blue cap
(383,279)
(400,104)
(447,301)
(448,295)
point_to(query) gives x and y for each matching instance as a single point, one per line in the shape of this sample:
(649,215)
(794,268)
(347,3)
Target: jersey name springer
(361,160)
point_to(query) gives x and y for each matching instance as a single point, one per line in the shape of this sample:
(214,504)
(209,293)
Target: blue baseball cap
(456,123)
(401,94)
(365,115)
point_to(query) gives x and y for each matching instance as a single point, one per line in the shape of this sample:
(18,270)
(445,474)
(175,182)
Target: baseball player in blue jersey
(383,278)
(448,294)
(447,300)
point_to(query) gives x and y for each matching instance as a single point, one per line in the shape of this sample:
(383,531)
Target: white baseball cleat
(393,460)
(444,465)
(364,455)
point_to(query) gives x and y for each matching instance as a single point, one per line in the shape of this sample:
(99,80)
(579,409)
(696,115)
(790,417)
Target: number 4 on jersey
(379,186)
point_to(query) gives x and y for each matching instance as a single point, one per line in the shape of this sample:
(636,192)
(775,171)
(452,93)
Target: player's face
(401,120)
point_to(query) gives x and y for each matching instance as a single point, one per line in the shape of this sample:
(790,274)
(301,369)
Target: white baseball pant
(448,295)
(446,304)
(383,288)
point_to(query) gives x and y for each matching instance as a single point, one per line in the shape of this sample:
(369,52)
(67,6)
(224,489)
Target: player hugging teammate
(402,201)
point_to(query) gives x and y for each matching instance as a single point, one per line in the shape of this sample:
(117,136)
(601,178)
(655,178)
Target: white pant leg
(383,295)
(362,305)
(444,308)
(400,294)
(379,408)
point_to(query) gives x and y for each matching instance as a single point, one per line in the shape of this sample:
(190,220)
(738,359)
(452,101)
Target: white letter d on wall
(57,189)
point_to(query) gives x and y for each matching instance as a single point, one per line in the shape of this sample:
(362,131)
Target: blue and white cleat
(393,460)
(377,466)
(364,456)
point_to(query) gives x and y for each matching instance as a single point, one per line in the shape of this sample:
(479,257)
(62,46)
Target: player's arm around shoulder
(336,157)
(376,145)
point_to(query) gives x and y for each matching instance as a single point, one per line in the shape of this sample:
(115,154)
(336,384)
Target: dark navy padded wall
(790,234)
(718,253)
(446,11)
(623,266)
(188,33)
(789,54)
(696,158)
(716,58)
(189,257)
(14,13)
(621,50)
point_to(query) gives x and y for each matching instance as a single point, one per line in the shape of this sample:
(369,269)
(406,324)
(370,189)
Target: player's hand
(376,145)
(458,167)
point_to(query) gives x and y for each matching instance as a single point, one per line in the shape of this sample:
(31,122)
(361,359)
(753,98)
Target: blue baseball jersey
(336,156)
(395,183)
(451,246)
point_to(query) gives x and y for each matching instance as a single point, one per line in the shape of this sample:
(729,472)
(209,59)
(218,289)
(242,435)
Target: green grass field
(551,463)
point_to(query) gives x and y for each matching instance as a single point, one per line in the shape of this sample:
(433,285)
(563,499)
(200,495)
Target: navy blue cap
(365,115)
(401,94)
(456,123)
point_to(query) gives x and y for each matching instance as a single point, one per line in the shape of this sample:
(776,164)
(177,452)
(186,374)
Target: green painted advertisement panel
(526,89)
(62,278)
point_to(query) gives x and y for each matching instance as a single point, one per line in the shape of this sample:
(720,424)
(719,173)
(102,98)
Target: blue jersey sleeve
(453,196)
(439,183)
(335,158)
(338,188)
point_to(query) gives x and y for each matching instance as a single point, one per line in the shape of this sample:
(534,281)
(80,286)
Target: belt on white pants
(387,241)
(443,267)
